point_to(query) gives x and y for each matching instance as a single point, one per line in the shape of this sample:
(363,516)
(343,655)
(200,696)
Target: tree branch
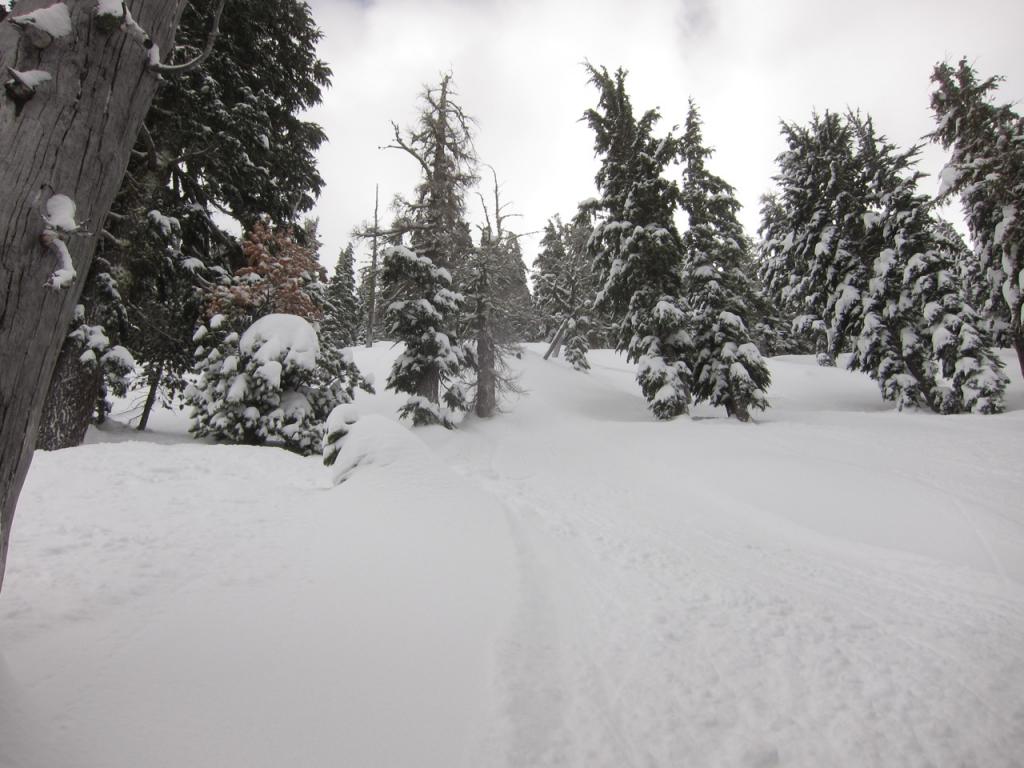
(211,39)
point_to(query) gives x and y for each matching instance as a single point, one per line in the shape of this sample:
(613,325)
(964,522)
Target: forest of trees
(253,336)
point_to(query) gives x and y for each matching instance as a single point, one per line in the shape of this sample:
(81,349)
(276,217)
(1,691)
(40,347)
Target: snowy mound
(376,440)
(285,338)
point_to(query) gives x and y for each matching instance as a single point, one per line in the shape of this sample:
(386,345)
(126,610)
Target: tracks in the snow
(647,636)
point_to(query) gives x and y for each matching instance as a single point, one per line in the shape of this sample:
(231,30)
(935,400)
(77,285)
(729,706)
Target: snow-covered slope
(567,584)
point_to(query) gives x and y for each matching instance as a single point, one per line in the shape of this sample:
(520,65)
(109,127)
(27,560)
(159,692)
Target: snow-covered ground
(568,584)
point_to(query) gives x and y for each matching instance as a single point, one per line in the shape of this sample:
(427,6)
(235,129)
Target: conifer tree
(495,276)
(281,276)
(342,324)
(636,246)
(261,372)
(565,286)
(430,359)
(418,281)
(849,238)
(810,227)
(273,383)
(372,282)
(987,171)
(727,366)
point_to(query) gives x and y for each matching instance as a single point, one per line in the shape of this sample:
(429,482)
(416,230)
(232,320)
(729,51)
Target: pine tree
(565,287)
(849,238)
(261,372)
(727,366)
(376,284)
(273,383)
(809,230)
(495,277)
(636,246)
(425,305)
(987,171)
(281,276)
(424,308)
(342,321)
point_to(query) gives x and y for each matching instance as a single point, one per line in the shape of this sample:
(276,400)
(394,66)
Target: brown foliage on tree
(282,276)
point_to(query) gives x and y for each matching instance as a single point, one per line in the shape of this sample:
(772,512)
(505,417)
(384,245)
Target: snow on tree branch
(60,221)
(44,25)
(21,86)
(114,14)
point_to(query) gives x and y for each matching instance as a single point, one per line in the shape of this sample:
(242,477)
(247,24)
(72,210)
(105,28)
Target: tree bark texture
(155,374)
(486,377)
(74,138)
(70,400)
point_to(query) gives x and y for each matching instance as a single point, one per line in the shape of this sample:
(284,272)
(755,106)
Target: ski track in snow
(578,586)
(700,632)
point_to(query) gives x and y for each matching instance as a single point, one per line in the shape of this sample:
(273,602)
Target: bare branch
(116,241)
(151,153)
(211,39)
(401,144)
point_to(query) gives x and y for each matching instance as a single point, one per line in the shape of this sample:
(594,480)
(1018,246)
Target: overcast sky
(516,66)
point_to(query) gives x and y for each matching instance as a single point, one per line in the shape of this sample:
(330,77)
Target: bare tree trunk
(70,400)
(155,375)
(372,310)
(486,377)
(430,385)
(556,343)
(73,138)
(1018,345)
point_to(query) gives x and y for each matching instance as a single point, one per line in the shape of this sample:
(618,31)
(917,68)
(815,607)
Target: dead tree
(80,77)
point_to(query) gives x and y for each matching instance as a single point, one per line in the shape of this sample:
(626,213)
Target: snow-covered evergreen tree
(270,384)
(810,230)
(636,245)
(565,286)
(423,308)
(867,257)
(342,321)
(987,171)
(261,373)
(727,366)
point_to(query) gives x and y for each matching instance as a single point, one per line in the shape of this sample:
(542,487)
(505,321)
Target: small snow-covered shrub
(339,424)
(271,384)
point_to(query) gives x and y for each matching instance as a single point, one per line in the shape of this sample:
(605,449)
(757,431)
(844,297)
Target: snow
(287,339)
(54,20)
(110,8)
(120,357)
(948,178)
(1009,214)
(341,418)
(270,372)
(60,213)
(65,273)
(165,225)
(32,78)
(238,390)
(571,583)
